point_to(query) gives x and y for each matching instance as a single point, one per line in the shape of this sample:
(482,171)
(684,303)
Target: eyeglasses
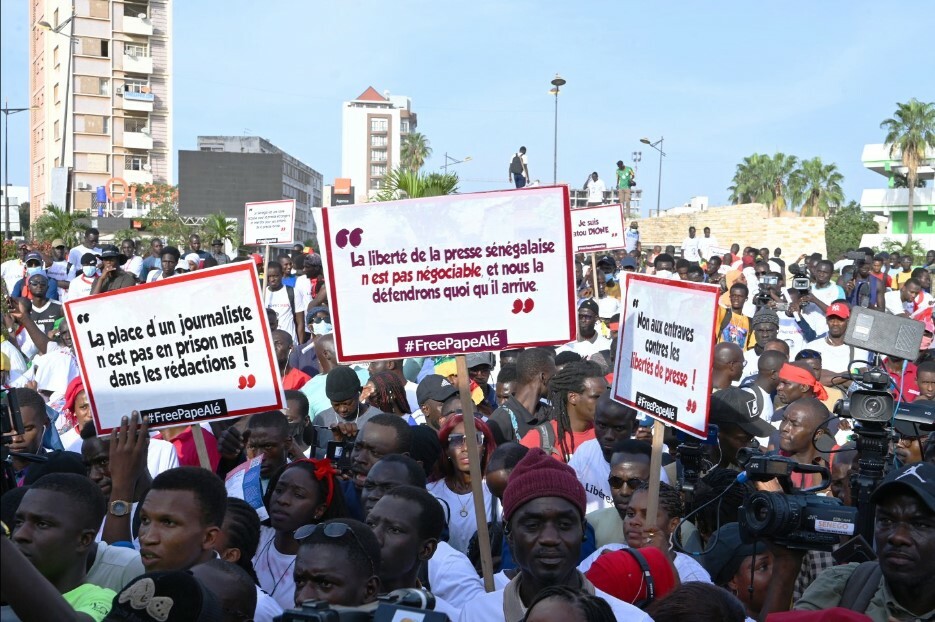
(335,530)
(807,354)
(317,320)
(618,482)
(457,440)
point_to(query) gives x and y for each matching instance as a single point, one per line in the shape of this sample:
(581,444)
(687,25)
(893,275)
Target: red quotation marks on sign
(345,237)
(246,382)
(691,406)
(523,307)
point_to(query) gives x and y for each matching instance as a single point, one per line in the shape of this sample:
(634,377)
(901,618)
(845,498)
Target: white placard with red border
(269,222)
(666,350)
(450,274)
(192,348)
(598,228)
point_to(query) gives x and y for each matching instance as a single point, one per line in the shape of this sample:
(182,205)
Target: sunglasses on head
(457,440)
(336,531)
(618,482)
(807,354)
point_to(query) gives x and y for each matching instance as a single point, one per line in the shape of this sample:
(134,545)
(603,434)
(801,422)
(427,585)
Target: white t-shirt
(278,301)
(461,522)
(837,358)
(303,293)
(687,567)
(595,190)
(114,566)
(587,348)
(593,471)
(80,287)
(59,271)
(631,237)
(274,569)
(705,245)
(751,360)
(266,607)
(814,315)
(691,249)
(452,576)
(133,266)
(75,254)
(490,607)
(11,271)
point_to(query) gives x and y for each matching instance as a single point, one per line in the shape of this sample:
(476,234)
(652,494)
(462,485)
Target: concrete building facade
(299,180)
(890,205)
(373,127)
(104,106)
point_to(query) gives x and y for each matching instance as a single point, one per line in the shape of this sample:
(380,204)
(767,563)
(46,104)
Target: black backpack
(516,165)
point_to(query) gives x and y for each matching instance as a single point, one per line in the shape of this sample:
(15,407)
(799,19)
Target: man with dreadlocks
(574,392)
(387,391)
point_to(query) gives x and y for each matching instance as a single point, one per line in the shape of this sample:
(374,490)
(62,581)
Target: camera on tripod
(393,606)
(871,404)
(792,518)
(800,281)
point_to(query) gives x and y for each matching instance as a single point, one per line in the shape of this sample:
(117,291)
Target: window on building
(55,62)
(97,162)
(136,50)
(376,184)
(377,141)
(135,163)
(95,47)
(99,9)
(135,124)
(55,19)
(378,155)
(404,126)
(56,130)
(135,9)
(377,125)
(55,96)
(134,85)
(377,170)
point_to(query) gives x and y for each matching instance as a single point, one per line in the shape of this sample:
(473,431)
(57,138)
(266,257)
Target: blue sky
(720,80)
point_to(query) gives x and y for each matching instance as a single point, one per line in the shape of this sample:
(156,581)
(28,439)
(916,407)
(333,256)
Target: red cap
(619,574)
(838,309)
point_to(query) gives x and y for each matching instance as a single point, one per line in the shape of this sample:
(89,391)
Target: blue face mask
(33,270)
(89,271)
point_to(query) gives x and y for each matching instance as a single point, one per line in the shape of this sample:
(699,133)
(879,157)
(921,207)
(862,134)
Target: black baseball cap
(741,408)
(723,559)
(918,478)
(435,387)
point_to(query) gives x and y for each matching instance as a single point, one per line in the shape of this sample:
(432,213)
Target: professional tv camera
(391,607)
(762,297)
(792,518)
(800,280)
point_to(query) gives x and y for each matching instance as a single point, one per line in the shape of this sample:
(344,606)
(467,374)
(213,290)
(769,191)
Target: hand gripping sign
(666,349)
(191,348)
(450,274)
(598,228)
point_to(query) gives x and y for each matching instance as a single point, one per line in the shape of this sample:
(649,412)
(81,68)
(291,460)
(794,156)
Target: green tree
(163,221)
(218,227)
(901,181)
(911,131)
(57,223)
(402,184)
(913,248)
(816,186)
(763,179)
(845,227)
(24,218)
(413,151)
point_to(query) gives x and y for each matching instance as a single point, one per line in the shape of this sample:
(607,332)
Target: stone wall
(747,225)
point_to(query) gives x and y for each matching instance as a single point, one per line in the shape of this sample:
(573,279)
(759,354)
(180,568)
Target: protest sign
(450,274)
(269,222)
(244,483)
(191,348)
(598,228)
(666,350)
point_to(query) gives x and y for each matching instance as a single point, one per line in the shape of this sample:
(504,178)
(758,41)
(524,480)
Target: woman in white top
(301,493)
(452,481)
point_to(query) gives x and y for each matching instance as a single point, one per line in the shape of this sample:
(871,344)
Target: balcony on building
(887,200)
(137,98)
(138,139)
(878,159)
(138,24)
(136,169)
(136,59)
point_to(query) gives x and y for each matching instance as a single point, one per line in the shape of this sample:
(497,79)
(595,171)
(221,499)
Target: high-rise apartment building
(372,130)
(299,180)
(101,80)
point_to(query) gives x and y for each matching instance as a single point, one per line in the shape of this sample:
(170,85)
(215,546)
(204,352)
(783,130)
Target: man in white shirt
(14,269)
(543,514)
(90,245)
(595,188)
(836,356)
(81,285)
(282,300)
(589,341)
(691,247)
(706,244)
(822,294)
(307,283)
(59,268)
(907,299)
(632,236)
(134,263)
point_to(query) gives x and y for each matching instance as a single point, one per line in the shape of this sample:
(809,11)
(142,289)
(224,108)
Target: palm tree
(57,223)
(402,183)
(218,227)
(911,131)
(816,186)
(413,151)
(763,179)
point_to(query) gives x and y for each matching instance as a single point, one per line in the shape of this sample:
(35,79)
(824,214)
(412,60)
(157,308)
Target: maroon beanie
(539,475)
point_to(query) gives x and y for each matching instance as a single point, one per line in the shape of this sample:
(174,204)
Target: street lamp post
(453,161)
(44,25)
(7,111)
(557,83)
(658,147)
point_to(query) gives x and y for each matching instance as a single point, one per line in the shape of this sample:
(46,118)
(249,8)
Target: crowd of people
(366,477)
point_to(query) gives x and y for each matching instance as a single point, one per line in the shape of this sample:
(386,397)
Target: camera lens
(767,513)
(874,406)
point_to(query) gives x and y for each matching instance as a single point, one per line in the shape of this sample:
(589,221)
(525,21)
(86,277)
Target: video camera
(393,606)
(792,518)
(800,280)
(762,296)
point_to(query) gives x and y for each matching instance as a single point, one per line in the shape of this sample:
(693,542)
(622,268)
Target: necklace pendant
(463,512)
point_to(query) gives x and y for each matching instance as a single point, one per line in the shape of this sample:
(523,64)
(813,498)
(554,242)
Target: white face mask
(322,328)
(33,270)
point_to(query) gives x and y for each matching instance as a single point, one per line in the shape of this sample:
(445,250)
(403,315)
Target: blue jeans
(520,181)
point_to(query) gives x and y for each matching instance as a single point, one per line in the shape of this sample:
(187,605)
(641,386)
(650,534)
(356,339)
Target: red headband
(323,471)
(794,373)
